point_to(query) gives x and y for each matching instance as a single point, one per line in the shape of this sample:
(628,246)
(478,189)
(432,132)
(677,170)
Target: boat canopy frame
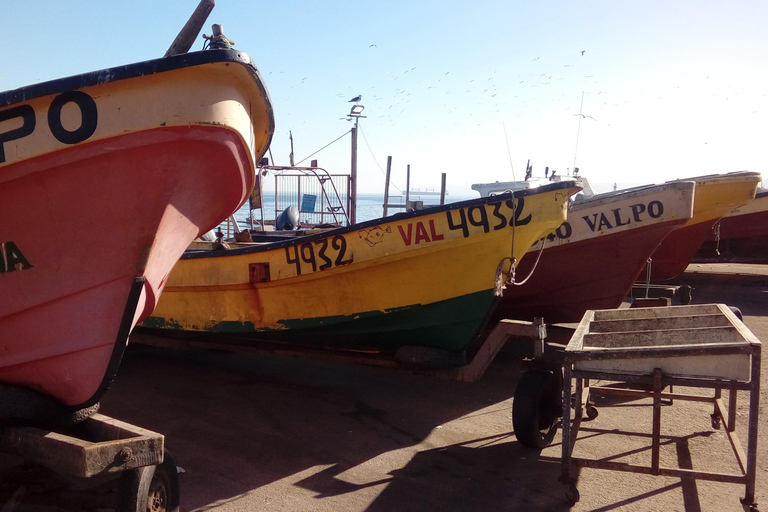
(303,186)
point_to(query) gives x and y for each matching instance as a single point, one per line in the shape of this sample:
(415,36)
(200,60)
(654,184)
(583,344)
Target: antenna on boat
(509,153)
(188,34)
(290,157)
(578,129)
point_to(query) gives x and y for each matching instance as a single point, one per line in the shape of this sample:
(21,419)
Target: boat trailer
(101,463)
(81,459)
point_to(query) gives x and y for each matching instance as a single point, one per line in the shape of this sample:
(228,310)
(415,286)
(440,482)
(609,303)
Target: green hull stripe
(449,325)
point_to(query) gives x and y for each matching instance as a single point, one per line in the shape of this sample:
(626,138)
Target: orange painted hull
(81,223)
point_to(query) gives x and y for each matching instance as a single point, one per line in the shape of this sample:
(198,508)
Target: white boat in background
(499,187)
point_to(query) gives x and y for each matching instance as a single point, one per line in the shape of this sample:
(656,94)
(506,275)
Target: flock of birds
(420,100)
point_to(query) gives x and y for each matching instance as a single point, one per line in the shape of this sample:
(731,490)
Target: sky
(475,90)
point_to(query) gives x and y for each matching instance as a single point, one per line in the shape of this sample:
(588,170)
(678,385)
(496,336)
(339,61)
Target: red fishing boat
(716,195)
(105,179)
(593,258)
(742,234)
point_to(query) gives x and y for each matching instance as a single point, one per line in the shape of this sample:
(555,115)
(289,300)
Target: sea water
(369,207)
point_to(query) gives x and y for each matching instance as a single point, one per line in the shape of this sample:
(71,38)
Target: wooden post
(186,37)
(442,190)
(386,185)
(290,157)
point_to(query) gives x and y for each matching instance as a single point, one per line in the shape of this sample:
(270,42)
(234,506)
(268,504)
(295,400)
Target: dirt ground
(256,432)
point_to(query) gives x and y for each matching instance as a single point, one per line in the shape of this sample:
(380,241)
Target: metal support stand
(580,367)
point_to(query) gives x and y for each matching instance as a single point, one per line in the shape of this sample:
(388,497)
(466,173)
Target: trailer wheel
(572,495)
(536,408)
(737,312)
(151,488)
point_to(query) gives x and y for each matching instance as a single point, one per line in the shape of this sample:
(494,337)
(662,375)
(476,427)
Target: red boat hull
(591,274)
(89,220)
(674,254)
(105,179)
(741,234)
(593,259)
(716,195)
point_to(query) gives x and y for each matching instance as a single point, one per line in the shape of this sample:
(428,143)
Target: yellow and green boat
(425,278)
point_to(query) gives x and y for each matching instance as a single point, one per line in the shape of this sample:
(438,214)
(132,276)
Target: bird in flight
(356,98)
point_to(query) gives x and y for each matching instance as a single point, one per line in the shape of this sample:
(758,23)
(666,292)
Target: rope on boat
(648,276)
(501,283)
(716,228)
(538,257)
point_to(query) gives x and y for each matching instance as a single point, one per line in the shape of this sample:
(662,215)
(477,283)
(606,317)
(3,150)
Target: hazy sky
(671,89)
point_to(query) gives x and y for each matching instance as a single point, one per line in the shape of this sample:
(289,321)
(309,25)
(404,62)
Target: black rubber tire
(151,488)
(737,312)
(572,495)
(26,407)
(536,408)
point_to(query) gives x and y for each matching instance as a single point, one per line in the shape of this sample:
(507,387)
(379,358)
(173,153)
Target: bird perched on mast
(356,99)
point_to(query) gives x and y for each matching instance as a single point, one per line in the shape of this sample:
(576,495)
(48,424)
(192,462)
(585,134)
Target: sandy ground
(256,432)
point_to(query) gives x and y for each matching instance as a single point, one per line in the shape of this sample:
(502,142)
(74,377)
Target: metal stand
(578,368)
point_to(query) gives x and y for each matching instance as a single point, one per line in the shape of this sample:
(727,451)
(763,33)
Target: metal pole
(567,447)
(754,410)
(353,177)
(407,185)
(386,185)
(656,439)
(276,196)
(442,190)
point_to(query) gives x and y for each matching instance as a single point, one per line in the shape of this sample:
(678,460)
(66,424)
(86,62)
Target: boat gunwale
(729,176)
(145,68)
(206,253)
(681,186)
(136,70)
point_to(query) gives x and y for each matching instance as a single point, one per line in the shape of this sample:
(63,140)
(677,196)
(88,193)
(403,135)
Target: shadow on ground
(236,423)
